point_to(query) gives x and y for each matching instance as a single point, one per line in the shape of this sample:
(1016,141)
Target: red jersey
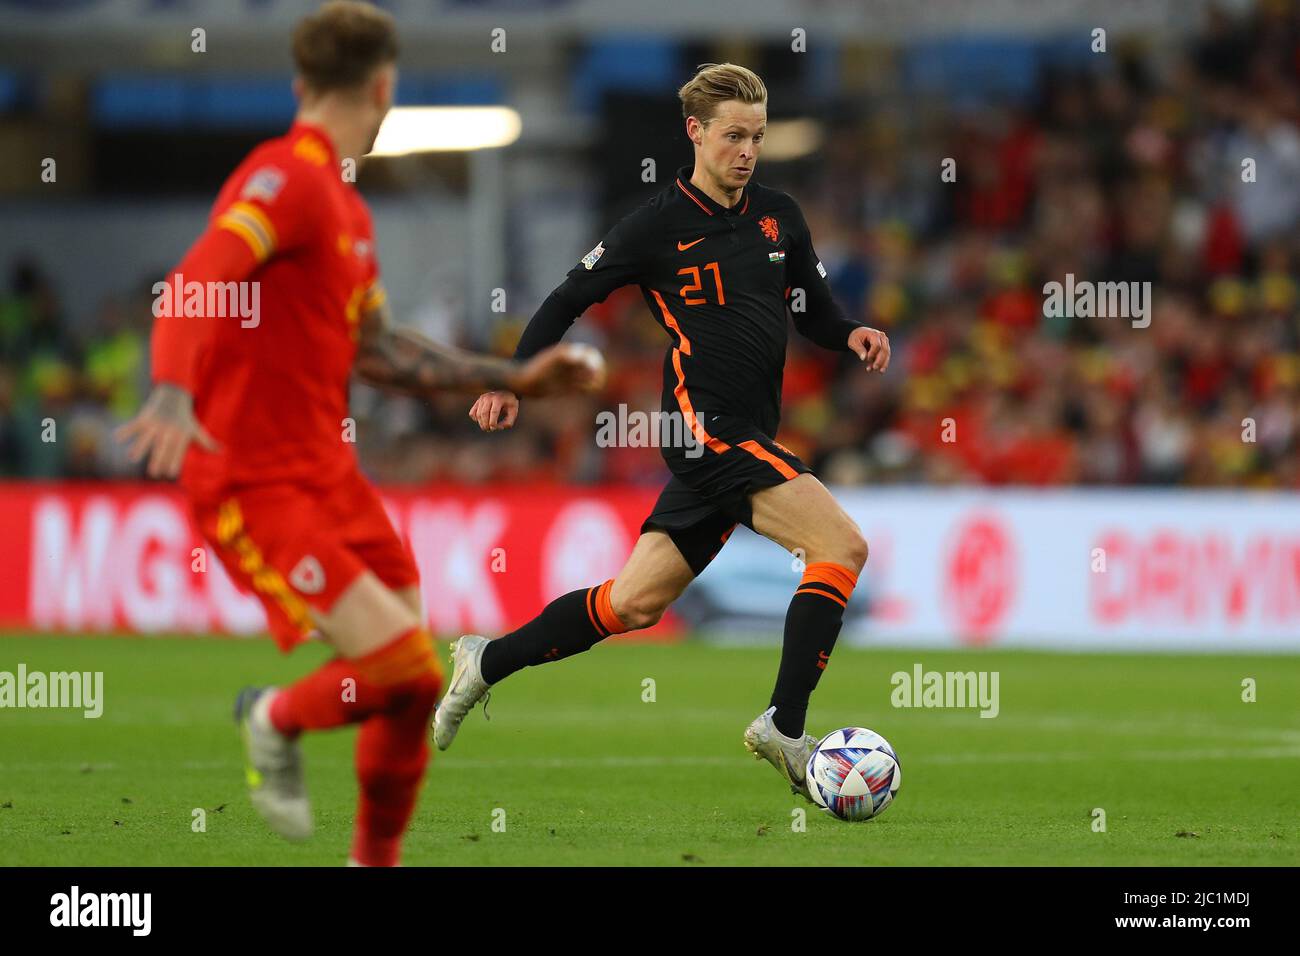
(274,391)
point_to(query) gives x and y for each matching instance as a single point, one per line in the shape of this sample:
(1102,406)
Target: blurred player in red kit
(252,412)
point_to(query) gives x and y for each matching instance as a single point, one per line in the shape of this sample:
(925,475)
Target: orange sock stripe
(605,609)
(826,594)
(591,612)
(403,659)
(828,572)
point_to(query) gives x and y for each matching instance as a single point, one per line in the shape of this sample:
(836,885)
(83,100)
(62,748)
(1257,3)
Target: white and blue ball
(854,773)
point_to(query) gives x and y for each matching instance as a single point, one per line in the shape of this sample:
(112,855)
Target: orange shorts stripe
(758,451)
(266,579)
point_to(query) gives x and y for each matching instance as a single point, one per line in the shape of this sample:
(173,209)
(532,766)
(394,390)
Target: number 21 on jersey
(697,284)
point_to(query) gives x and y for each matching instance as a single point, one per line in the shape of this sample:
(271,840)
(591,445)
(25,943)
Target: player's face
(731,141)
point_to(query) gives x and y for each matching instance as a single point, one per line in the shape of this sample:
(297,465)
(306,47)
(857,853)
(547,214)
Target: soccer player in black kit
(720,261)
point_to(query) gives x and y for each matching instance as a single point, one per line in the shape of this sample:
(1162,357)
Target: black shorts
(708,494)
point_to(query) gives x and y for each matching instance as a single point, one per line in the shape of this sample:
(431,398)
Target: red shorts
(298,548)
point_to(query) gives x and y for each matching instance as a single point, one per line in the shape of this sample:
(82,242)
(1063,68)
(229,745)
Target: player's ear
(385,86)
(694,130)
(299,88)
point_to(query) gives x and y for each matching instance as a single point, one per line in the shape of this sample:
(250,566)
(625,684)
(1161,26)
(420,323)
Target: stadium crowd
(1183,172)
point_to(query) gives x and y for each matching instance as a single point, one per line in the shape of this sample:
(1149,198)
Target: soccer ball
(854,773)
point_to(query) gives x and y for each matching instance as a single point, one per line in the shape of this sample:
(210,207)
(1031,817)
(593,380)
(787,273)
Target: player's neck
(348,140)
(706,184)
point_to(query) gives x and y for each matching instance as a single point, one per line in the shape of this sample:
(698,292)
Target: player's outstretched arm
(871,346)
(497,409)
(819,317)
(163,429)
(617,260)
(402,359)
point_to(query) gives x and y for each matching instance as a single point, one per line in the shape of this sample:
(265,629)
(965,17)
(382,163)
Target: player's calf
(391,750)
(801,515)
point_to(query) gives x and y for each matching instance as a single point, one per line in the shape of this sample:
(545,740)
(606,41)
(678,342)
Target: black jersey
(719,281)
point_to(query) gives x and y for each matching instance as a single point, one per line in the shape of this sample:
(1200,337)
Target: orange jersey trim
(670,320)
(680,393)
(690,195)
(252,225)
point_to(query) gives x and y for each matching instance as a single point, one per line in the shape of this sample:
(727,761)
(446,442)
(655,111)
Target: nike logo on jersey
(683,246)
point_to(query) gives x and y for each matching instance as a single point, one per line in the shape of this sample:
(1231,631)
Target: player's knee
(423,691)
(425,685)
(846,547)
(855,551)
(640,610)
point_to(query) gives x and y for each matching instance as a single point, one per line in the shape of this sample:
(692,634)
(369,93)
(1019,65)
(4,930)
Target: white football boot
(274,767)
(466,689)
(787,754)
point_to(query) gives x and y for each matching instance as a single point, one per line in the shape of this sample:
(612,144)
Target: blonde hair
(715,83)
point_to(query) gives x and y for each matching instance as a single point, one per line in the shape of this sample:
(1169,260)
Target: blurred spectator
(1129,170)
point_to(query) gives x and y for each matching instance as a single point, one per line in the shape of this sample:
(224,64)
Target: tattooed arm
(163,430)
(403,360)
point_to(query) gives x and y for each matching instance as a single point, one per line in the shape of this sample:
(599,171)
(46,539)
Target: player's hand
(560,369)
(163,431)
(490,405)
(871,346)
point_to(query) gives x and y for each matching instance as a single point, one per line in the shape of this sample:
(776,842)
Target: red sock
(392,747)
(392,692)
(392,752)
(347,691)
(325,699)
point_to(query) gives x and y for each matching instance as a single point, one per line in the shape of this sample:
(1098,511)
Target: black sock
(812,626)
(569,625)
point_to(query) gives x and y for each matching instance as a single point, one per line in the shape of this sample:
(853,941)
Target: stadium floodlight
(426,129)
(791,139)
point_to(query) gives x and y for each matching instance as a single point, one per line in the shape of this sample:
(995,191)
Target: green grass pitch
(587,772)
